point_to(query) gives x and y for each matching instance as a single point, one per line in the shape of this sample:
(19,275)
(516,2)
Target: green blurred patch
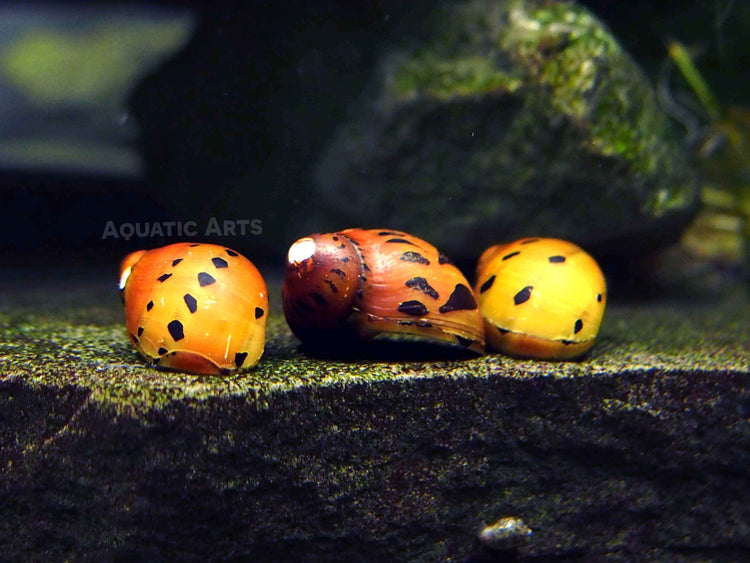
(97,67)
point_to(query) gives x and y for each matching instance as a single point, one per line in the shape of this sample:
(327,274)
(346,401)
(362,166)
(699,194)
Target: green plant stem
(680,56)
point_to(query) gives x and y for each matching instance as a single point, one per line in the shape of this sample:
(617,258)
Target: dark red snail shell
(356,283)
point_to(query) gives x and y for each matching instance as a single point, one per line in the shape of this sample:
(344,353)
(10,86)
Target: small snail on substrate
(354,284)
(506,533)
(540,298)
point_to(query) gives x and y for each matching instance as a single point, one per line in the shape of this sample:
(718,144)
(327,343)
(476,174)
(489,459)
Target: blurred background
(68,154)
(104,109)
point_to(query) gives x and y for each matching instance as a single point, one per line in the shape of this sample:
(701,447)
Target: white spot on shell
(124,277)
(226,350)
(301,250)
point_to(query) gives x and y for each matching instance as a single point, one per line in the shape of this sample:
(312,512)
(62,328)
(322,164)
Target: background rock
(238,123)
(507,119)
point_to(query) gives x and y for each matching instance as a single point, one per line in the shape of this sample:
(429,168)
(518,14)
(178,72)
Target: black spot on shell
(461,299)
(301,308)
(388,233)
(567,342)
(177,261)
(414,307)
(344,259)
(161,351)
(422,285)
(466,342)
(155,361)
(401,240)
(319,299)
(488,284)
(556,259)
(502,330)
(332,286)
(175,330)
(239,358)
(191,302)
(578,326)
(443,259)
(335,238)
(205,279)
(164,277)
(219,262)
(134,338)
(406,323)
(366,268)
(140,330)
(360,294)
(259,312)
(149,305)
(414,257)
(511,255)
(338,272)
(523,296)
(598,297)
(231,252)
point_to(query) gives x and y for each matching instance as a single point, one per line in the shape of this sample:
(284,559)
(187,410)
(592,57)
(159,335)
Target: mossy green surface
(77,342)
(639,450)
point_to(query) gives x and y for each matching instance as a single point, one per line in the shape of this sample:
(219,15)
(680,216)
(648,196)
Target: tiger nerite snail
(540,298)
(354,284)
(197,308)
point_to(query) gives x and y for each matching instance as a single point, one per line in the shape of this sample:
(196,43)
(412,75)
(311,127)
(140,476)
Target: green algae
(442,78)
(44,350)
(404,452)
(504,118)
(89,348)
(584,73)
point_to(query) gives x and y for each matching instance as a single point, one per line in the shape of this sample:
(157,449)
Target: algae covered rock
(506,118)
(638,452)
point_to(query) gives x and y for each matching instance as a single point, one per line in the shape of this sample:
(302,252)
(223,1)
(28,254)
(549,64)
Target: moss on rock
(503,118)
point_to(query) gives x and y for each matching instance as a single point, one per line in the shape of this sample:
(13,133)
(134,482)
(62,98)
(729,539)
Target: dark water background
(50,217)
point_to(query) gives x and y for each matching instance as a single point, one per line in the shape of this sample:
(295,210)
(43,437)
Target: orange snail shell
(540,298)
(356,283)
(196,308)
